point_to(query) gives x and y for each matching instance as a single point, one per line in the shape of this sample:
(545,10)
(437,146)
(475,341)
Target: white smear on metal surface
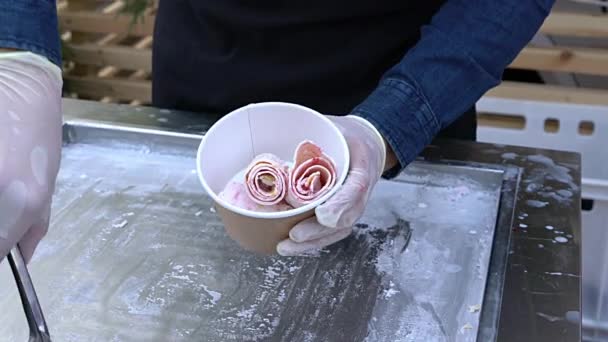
(120,224)
(533,187)
(453,268)
(537,204)
(246,314)
(561,239)
(540,245)
(521,225)
(557,172)
(549,171)
(509,155)
(549,227)
(561,274)
(163,120)
(466,327)
(390,292)
(215,296)
(549,317)
(474,308)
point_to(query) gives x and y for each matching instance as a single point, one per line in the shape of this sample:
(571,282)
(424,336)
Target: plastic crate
(560,126)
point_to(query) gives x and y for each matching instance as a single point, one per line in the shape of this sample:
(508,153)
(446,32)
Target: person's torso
(215,56)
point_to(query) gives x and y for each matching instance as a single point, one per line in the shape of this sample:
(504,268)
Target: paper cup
(272,127)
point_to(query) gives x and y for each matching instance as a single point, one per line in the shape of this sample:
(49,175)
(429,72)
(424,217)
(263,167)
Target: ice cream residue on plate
(269,184)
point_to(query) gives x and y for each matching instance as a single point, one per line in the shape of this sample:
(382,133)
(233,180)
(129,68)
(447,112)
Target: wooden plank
(576,25)
(94,22)
(144,43)
(117,56)
(114,7)
(577,60)
(61,5)
(110,38)
(543,92)
(566,24)
(114,88)
(138,75)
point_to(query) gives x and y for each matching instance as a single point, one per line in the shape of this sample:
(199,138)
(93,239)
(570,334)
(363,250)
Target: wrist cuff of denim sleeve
(403,117)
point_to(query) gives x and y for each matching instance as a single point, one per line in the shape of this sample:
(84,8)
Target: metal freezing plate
(135,253)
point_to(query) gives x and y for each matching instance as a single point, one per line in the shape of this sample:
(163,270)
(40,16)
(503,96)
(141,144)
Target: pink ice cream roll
(266,180)
(312,176)
(236,194)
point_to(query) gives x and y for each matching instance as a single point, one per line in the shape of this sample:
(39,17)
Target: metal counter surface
(531,293)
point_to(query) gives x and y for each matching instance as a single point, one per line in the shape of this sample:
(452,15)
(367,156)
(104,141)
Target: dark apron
(215,56)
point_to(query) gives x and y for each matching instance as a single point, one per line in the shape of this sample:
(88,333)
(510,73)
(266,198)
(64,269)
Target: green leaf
(135,8)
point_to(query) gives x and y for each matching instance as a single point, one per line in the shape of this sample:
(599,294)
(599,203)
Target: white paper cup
(272,127)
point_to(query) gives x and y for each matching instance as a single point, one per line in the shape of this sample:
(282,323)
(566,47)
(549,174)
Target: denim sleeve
(461,54)
(31,25)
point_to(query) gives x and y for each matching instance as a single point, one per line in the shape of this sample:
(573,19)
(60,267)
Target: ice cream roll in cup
(283,130)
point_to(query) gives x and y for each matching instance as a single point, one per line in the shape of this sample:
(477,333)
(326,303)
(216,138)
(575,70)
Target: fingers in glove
(346,206)
(309,230)
(30,240)
(14,234)
(291,248)
(32,237)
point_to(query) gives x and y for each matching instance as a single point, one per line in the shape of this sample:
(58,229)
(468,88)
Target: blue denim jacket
(461,54)
(31,25)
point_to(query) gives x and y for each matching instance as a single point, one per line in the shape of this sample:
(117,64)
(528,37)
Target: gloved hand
(335,218)
(30,148)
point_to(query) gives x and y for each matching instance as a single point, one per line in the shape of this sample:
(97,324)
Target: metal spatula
(33,311)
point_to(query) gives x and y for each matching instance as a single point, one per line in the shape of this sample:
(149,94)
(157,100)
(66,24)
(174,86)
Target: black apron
(213,56)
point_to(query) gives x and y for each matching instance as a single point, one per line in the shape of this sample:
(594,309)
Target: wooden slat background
(109,58)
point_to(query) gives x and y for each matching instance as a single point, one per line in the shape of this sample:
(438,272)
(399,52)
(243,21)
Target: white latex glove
(335,218)
(30,148)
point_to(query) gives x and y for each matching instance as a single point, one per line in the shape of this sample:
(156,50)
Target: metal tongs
(33,311)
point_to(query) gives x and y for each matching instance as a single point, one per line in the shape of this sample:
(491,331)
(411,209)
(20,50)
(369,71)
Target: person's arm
(461,54)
